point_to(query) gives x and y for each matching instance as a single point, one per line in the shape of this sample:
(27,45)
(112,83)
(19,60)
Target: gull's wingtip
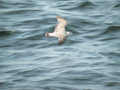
(58,17)
(62,20)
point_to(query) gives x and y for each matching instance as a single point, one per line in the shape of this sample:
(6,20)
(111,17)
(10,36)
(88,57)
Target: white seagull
(59,31)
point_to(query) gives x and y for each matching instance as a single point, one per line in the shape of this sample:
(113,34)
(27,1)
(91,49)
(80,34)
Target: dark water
(88,60)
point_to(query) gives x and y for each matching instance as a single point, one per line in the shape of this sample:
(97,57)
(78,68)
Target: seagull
(59,31)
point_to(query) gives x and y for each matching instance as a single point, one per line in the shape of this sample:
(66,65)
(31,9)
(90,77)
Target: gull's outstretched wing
(61,24)
(61,20)
(61,39)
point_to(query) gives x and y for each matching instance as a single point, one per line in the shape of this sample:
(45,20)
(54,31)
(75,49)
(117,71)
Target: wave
(112,29)
(5,32)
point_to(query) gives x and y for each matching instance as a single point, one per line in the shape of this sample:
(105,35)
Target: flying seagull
(59,31)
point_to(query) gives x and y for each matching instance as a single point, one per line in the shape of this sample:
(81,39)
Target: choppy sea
(88,60)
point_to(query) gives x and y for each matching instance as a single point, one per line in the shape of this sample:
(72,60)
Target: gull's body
(59,31)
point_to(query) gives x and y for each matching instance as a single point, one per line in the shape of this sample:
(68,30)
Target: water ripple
(87,60)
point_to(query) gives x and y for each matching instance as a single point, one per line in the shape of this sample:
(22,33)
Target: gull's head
(47,34)
(61,20)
